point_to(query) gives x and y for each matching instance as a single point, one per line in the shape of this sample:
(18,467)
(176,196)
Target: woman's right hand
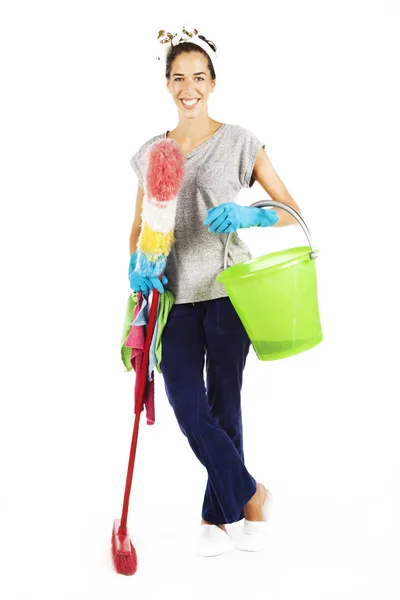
(145,284)
(142,284)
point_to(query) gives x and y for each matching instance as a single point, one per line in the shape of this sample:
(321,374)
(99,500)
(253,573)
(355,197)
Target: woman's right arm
(137,222)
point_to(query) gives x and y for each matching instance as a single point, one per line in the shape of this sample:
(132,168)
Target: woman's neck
(189,132)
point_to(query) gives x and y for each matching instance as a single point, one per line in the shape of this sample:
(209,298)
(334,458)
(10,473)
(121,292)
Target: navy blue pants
(210,417)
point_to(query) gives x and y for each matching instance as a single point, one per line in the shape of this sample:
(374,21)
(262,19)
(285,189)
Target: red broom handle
(139,405)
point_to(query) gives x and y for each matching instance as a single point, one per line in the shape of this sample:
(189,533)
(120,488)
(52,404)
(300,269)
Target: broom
(164,177)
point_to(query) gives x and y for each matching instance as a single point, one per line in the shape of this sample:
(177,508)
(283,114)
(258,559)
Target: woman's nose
(189,89)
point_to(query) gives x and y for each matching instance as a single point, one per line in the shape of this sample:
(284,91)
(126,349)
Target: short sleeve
(134,162)
(249,148)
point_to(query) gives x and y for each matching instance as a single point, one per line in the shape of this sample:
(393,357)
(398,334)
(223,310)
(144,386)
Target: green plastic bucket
(275,297)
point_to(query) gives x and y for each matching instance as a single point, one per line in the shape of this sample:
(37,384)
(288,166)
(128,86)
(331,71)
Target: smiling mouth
(189,106)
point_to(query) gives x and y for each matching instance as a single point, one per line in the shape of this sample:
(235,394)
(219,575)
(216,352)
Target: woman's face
(190,79)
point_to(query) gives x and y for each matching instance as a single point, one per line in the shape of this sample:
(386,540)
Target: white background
(81,91)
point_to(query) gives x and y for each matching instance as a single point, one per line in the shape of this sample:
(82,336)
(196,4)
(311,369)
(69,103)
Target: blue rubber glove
(230,216)
(142,284)
(132,263)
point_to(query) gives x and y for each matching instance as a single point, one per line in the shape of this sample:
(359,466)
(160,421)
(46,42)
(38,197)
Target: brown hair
(174,51)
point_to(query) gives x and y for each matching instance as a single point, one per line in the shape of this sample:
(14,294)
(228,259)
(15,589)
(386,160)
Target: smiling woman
(203,326)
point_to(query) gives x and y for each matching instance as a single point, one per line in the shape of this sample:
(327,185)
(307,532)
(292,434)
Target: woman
(203,327)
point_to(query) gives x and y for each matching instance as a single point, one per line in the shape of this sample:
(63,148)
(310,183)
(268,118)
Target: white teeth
(189,103)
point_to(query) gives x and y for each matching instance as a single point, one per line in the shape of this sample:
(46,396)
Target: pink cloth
(136,341)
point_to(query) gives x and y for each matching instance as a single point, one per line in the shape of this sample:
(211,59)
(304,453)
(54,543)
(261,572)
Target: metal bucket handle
(289,209)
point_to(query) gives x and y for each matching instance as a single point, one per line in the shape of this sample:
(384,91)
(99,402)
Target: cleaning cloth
(136,342)
(165,303)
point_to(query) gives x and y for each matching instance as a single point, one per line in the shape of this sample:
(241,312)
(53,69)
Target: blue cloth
(210,416)
(152,354)
(142,318)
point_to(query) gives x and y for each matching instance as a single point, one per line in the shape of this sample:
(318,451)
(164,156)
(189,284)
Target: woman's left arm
(265,174)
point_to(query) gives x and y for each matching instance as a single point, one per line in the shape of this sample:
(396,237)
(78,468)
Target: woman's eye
(177,79)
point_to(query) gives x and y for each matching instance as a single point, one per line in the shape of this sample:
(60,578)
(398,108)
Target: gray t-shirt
(215,172)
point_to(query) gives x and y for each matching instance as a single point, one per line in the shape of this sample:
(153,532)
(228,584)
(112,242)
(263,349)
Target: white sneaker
(212,541)
(253,536)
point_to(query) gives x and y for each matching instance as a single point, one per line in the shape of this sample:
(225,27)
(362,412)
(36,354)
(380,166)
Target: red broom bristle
(123,553)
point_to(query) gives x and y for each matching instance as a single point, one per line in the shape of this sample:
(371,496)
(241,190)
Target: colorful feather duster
(163,180)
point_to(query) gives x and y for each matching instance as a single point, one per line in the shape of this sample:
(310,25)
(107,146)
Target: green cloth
(166,300)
